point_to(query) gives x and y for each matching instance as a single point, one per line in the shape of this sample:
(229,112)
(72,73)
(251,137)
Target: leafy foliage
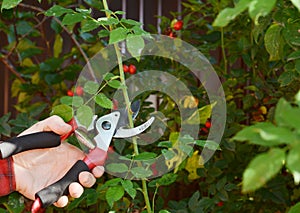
(254,47)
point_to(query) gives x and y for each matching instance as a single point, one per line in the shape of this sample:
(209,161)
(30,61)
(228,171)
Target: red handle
(50,194)
(74,125)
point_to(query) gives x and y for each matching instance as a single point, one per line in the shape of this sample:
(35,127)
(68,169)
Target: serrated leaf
(103,101)
(273,42)
(57,10)
(297,98)
(128,186)
(117,35)
(89,25)
(75,101)
(294,55)
(114,84)
(131,22)
(140,172)
(229,14)
(145,156)
(103,33)
(117,167)
(259,8)
(72,18)
(296,3)
(292,163)
(113,194)
(64,111)
(295,208)
(85,115)
(8,4)
(209,144)
(91,87)
(167,179)
(135,45)
(201,115)
(286,115)
(265,134)
(262,168)
(287,77)
(5,129)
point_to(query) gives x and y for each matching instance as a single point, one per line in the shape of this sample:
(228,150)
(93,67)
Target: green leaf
(112,182)
(265,134)
(64,111)
(209,144)
(57,10)
(131,22)
(286,78)
(166,144)
(296,3)
(58,45)
(295,208)
(164,211)
(113,194)
(135,45)
(89,25)
(140,172)
(103,101)
(85,115)
(107,21)
(117,167)
(117,35)
(8,4)
(75,101)
(5,129)
(72,18)
(229,14)
(286,115)
(201,115)
(259,8)
(114,84)
(297,98)
(103,33)
(262,168)
(15,204)
(274,43)
(167,179)
(91,87)
(145,156)
(292,163)
(128,186)
(108,76)
(293,56)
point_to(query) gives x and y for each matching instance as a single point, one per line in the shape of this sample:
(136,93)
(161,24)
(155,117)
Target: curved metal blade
(123,121)
(127,133)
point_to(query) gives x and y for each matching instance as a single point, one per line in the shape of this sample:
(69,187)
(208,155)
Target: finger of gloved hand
(62,202)
(75,190)
(87,179)
(98,171)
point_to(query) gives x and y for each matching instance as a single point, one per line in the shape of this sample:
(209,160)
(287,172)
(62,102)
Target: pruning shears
(103,129)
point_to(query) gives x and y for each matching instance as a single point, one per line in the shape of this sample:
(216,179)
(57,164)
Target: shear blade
(127,133)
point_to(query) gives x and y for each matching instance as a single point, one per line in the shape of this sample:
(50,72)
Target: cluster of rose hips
(78,91)
(129,69)
(206,127)
(176,25)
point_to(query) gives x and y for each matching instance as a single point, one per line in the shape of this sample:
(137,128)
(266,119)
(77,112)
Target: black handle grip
(28,142)
(52,193)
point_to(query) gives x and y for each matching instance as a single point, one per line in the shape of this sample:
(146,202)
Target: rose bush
(253,46)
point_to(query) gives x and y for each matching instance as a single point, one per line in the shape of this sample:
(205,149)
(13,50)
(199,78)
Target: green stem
(223,50)
(128,104)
